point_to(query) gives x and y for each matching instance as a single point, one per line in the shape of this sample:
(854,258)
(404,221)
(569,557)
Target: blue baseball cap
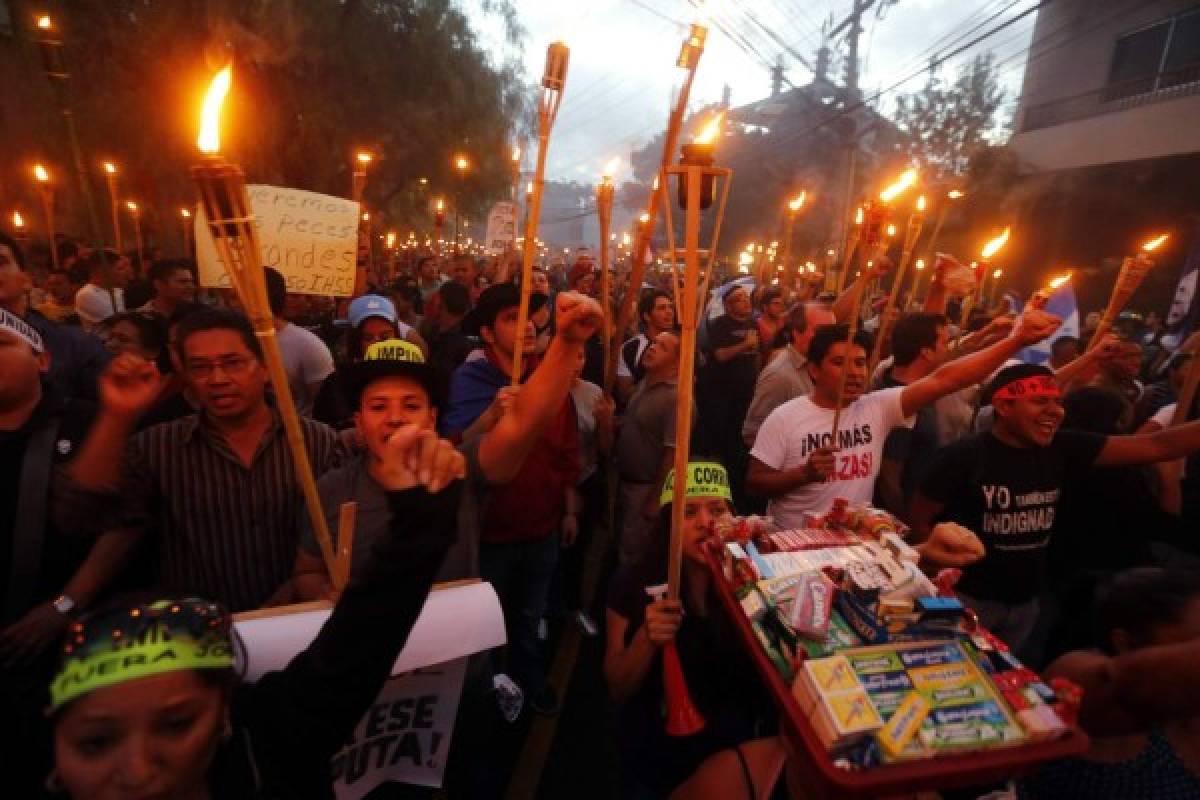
(370,305)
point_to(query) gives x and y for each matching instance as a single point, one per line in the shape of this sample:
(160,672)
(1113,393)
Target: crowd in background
(142,452)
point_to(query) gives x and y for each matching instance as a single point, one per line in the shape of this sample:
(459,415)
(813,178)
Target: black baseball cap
(393,358)
(496,299)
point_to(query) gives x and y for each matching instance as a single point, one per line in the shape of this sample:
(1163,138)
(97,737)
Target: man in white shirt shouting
(797,464)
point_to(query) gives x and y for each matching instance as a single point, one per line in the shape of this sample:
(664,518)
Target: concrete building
(1110,81)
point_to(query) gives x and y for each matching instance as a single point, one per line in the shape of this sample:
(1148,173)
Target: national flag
(1185,306)
(1062,304)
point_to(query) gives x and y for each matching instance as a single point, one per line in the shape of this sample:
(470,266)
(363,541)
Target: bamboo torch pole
(697,177)
(554,78)
(851,246)
(1133,271)
(911,234)
(604,203)
(222,190)
(875,220)
(689,58)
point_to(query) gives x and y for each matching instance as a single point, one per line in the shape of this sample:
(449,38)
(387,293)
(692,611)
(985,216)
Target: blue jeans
(521,574)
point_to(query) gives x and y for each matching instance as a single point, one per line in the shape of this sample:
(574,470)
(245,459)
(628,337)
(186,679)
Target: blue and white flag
(1061,304)
(1185,306)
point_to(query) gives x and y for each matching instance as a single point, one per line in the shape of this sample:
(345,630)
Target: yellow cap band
(395,350)
(704,479)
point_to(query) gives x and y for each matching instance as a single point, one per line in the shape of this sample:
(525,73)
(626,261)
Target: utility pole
(852,25)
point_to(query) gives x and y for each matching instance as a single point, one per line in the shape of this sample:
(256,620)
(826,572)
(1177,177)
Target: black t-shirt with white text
(1009,497)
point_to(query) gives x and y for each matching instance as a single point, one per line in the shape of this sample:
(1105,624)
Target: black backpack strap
(29,523)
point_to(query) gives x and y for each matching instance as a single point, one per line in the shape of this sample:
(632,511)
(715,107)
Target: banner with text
(311,238)
(501,226)
(405,734)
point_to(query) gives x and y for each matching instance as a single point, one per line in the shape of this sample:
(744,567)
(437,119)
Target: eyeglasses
(198,619)
(202,370)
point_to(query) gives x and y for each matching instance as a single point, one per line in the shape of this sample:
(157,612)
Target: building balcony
(1113,97)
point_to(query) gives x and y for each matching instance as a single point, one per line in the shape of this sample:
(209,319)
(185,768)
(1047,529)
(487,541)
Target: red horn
(683,718)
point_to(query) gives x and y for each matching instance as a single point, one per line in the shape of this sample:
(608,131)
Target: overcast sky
(623,54)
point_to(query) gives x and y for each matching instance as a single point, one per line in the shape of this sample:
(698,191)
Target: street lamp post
(110,177)
(46,189)
(54,65)
(461,165)
(136,213)
(185,222)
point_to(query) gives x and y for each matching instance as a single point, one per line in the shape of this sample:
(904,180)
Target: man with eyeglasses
(218,489)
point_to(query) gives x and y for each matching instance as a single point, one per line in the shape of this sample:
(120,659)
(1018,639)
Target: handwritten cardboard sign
(311,238)
(501,224)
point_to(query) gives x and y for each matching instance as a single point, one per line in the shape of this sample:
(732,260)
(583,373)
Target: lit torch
(554,80)
(1134,270)
(42,176)
(604,203)
(916,221)
(222,191)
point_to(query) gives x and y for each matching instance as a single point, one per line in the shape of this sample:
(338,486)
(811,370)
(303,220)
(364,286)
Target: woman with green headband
(639,625)
(147,702)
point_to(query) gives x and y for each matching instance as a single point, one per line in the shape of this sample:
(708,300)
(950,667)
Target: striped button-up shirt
(226,531)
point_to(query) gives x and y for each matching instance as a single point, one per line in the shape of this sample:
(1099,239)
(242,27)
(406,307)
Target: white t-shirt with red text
(793,431)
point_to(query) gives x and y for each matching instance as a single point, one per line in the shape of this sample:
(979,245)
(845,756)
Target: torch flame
(18,220)
(1154,243)
(41,174)
(110,168)
(44,22)
(996,274)
(610,168)
(891,230)
(132,206)
(710,131)
(905,181)
(991,248)
(644,217)
(920,264)
(954,194)
(797,202)
(516,153)
(209,140)
(1059,281)
(921,203)
(440,204)
(364,157)
(858,216)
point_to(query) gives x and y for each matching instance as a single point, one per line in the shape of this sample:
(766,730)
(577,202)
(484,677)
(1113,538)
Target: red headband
(1033,386)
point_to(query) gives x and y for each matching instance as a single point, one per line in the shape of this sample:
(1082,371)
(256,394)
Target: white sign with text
(311,238)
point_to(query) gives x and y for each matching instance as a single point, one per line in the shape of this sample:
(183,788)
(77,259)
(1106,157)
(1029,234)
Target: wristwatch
(63,604)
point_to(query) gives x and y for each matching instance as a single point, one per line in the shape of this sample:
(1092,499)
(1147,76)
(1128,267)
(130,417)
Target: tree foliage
(314,81)
(944,124)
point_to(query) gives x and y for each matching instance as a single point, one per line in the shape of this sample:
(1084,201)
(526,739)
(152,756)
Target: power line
(794,137)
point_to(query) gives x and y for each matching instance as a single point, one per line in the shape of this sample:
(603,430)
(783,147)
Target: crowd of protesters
(148,481)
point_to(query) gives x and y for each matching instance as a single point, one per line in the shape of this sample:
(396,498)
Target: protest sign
(501,226)
(405,735)
(311,238)
(455,622)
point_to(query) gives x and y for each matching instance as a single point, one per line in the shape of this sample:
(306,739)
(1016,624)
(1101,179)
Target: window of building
(1160,56)
(1182,64)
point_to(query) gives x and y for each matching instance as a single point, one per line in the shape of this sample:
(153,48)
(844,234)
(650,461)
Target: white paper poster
(405,735)
(311,238)
(501,224)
